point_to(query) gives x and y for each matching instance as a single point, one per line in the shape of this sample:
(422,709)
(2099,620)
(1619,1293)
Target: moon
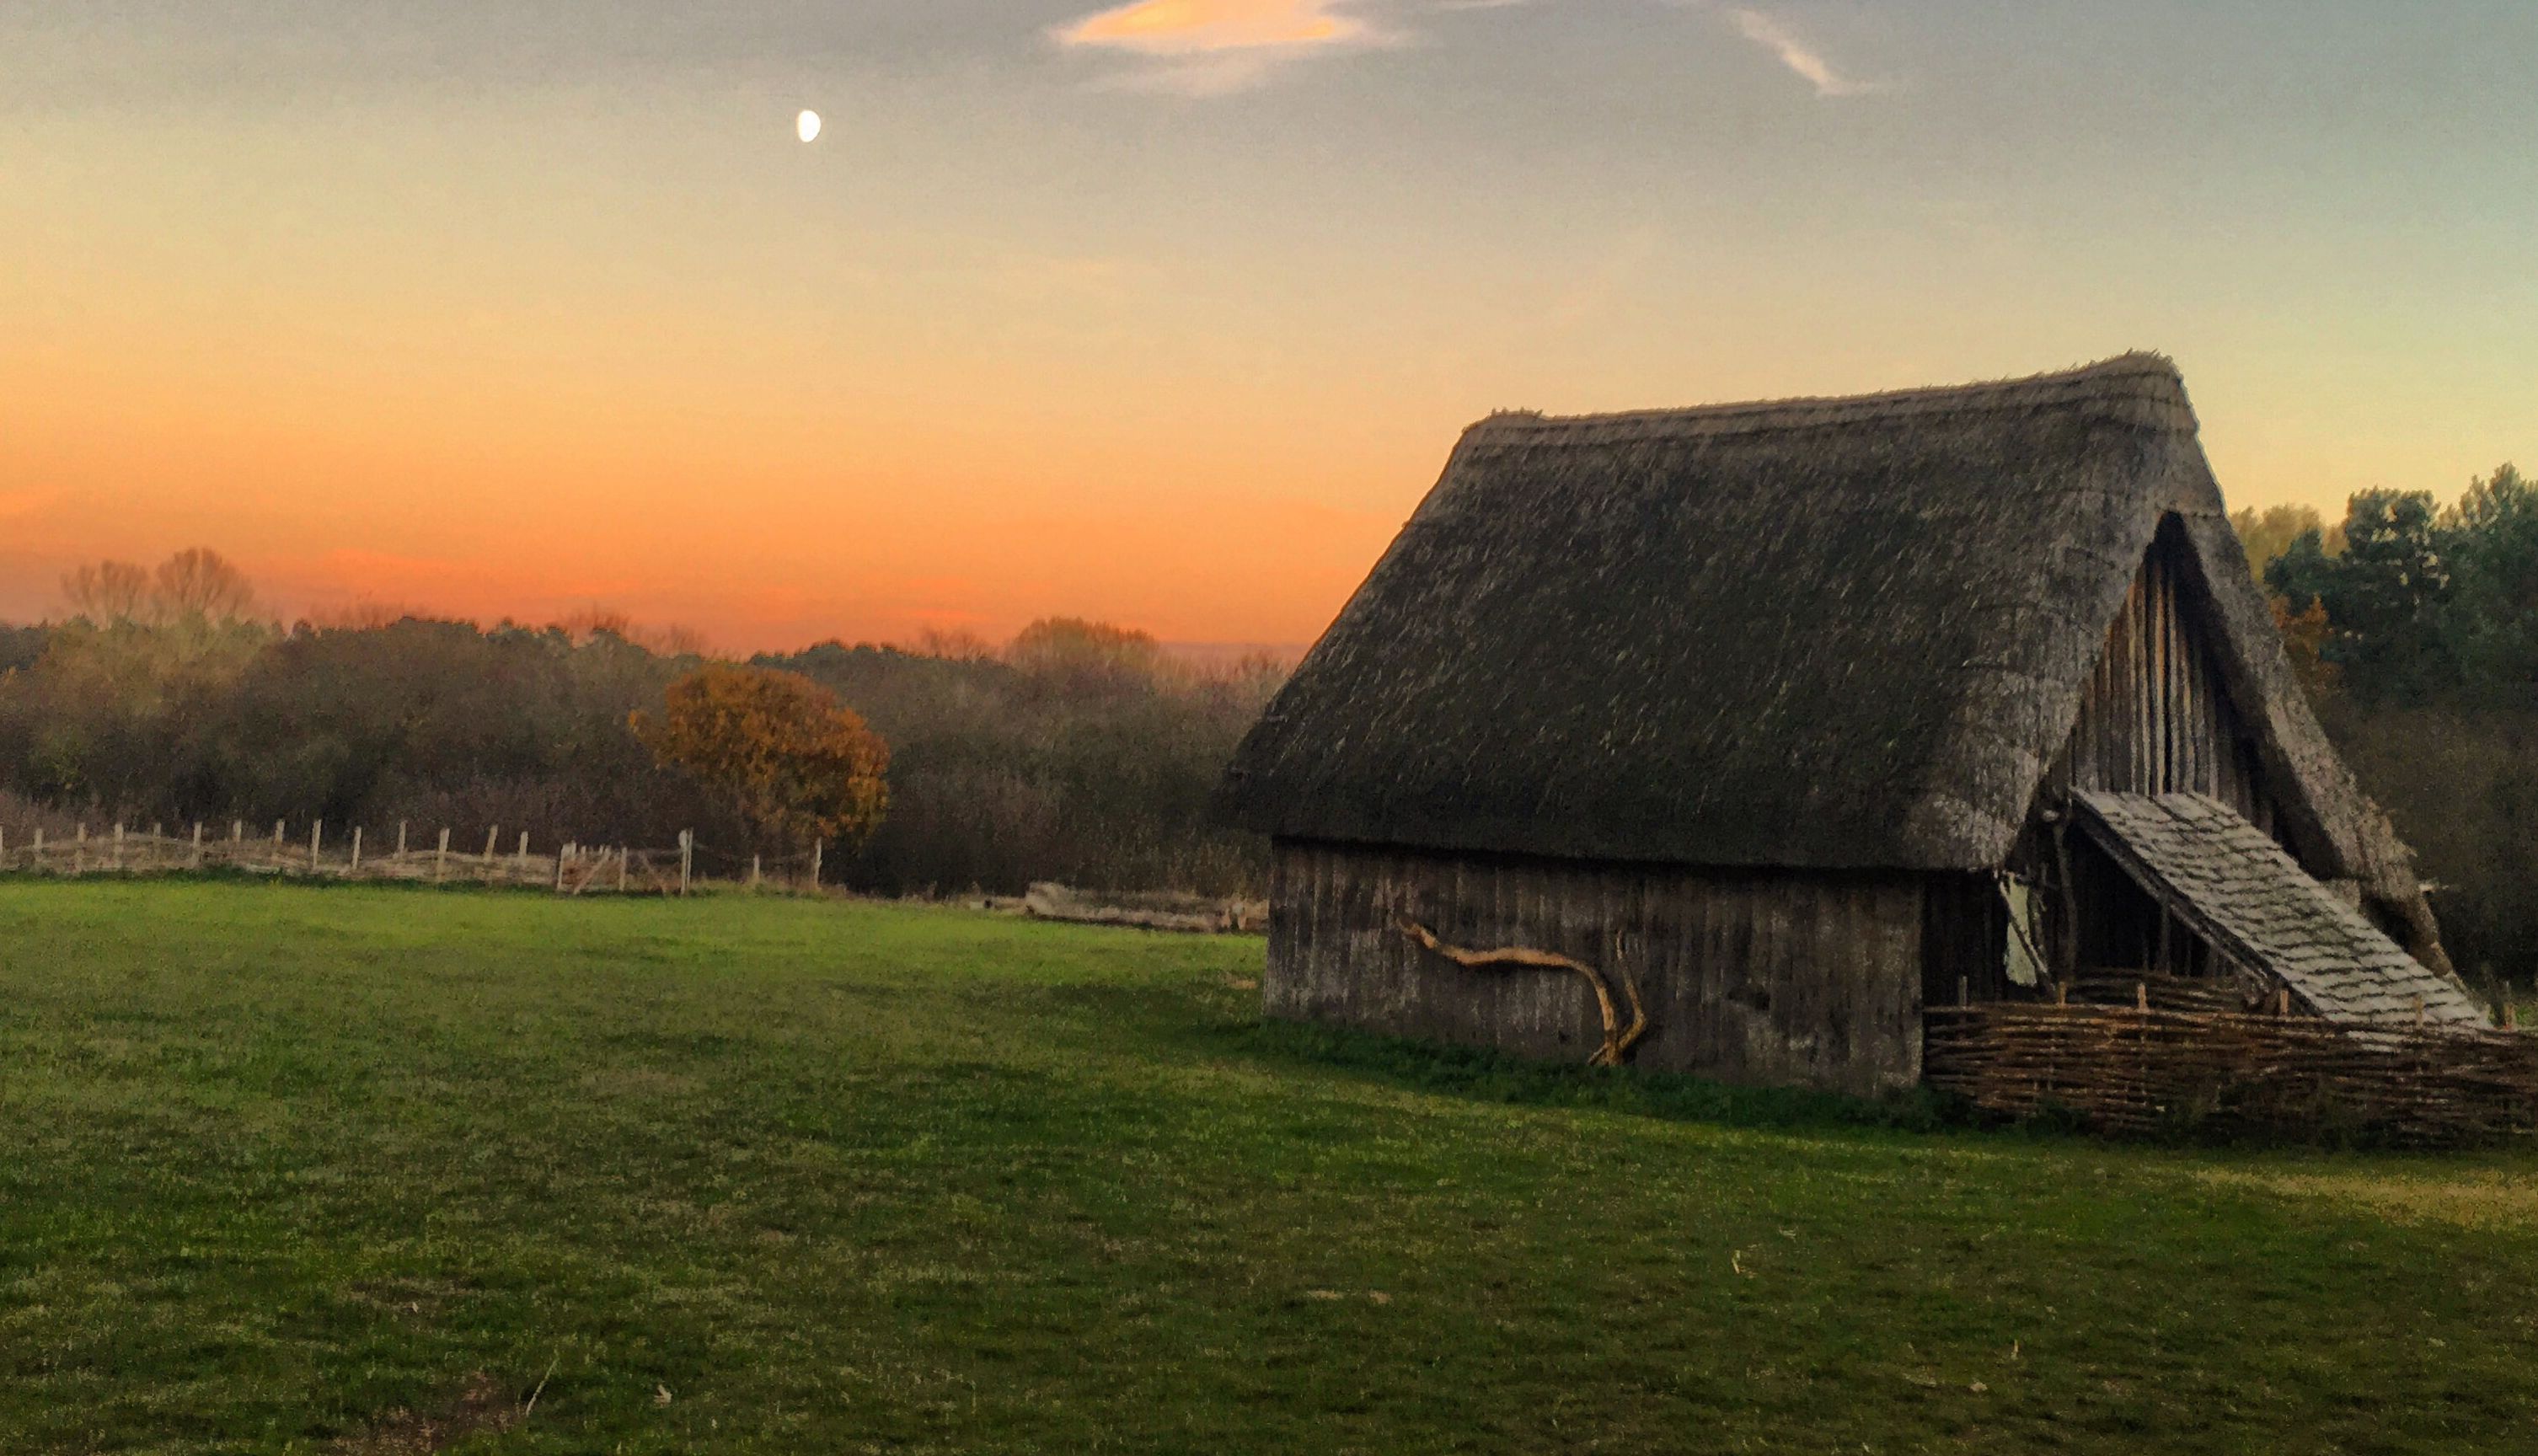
(807,126)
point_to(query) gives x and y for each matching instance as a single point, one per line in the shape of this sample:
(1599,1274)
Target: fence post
(35,857)
(564,852)
(489,835)
(622,856)
(119,847)
(198,844)
(441,860)
(400,838)
(752,872)
(79,851)
(277,844)
(316,841)
(357,854)
(523,859)
(687,856)
(816,846)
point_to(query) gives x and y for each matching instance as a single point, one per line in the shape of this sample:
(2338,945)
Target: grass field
(307,1169)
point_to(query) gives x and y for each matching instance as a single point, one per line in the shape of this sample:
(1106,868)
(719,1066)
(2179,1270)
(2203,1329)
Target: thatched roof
(1830,633)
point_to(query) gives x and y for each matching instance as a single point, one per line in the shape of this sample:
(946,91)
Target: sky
(1167,314)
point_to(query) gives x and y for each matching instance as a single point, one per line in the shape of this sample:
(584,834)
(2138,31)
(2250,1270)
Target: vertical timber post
(198,844)
(400,838)
(357,854)
(316,842)
(687,857)
(752,872)
(440,859)
(816,846)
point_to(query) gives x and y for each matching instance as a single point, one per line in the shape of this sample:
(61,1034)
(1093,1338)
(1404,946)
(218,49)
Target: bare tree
(201,582)
(109,591)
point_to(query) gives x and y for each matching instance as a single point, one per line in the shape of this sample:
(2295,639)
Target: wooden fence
(2134,1070)
(569,867)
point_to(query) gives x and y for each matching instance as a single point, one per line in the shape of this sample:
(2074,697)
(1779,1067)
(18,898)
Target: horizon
(1165,313)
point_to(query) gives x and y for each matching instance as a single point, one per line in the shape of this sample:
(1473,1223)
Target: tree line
(1079,750)
(1082,750)
(2414,625)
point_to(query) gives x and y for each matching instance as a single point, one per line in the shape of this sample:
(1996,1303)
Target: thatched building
(1783,721)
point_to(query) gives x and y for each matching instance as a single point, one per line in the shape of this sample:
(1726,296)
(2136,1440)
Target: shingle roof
(2231,884)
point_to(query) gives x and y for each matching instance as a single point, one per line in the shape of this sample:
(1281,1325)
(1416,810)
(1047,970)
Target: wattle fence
(2135,1070)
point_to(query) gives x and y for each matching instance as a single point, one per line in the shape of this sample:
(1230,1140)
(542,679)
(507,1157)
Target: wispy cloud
(1208,48)
(1768,32)
(1213,47)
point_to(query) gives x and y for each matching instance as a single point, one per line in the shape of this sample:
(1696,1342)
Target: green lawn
(293,1169)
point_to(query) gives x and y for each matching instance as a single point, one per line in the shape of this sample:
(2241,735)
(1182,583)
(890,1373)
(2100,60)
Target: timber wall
(1766,977)
(2156,716)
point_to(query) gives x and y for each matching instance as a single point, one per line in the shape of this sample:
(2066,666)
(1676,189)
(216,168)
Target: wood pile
(1146,910)
(2120,1070)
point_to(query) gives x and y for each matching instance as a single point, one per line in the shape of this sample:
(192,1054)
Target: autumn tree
(1087,659)
(795,763)
(2270,532)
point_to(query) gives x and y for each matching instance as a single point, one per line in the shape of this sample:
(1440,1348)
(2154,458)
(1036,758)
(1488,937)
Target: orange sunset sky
(1165,313)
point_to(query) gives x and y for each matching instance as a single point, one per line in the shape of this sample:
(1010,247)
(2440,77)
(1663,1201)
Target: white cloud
(1796,54)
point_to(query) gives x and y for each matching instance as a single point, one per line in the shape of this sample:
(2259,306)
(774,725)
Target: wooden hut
(1772,724)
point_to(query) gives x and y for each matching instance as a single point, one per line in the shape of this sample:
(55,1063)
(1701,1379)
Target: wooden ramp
(2232,885)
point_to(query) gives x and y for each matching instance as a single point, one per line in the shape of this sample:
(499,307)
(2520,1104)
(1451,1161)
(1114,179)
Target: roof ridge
(2140,388)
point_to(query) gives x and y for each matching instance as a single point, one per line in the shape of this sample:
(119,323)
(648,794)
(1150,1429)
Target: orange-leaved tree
(798,764)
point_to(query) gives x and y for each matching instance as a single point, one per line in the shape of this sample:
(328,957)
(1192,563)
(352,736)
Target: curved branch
(1619,1039)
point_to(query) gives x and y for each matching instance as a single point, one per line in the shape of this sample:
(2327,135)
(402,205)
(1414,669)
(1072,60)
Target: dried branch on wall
(1619,1039)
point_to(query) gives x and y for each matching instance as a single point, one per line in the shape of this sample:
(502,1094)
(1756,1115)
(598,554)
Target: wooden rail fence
(569,867)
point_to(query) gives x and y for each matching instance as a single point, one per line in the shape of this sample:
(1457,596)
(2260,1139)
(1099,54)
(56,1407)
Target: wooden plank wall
(1762,976)
(2156,717)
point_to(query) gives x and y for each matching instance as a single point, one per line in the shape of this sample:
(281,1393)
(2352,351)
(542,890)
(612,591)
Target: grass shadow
(1474,1074)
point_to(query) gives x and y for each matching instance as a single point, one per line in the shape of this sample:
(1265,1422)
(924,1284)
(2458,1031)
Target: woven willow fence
(2122,1070)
